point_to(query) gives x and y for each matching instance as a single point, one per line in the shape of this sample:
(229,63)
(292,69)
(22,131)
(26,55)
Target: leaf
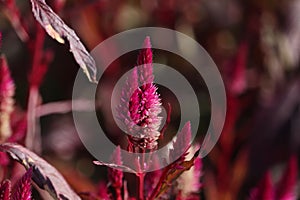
(115,166)
(58,30)
(44,175)
(170,174)
(5,190)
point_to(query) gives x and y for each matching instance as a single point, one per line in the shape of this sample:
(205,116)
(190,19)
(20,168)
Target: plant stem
(141,177)
(33,138)
(159,184)
(118,193)
(140,174)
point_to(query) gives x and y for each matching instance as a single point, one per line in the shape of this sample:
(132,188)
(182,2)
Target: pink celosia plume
(264,190)
(140,98)
(116,176)
(286,188)
(5,190)
(20,191)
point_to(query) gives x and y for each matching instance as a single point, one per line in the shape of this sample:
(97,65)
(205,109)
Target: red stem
(118,193)
(141,177)
(140,174)
(159,184)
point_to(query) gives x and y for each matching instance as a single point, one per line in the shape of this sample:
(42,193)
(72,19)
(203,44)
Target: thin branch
(63,107)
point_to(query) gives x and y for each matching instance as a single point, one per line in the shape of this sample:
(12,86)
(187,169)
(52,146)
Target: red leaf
(170,174)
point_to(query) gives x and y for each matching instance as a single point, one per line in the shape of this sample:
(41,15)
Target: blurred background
(255,45)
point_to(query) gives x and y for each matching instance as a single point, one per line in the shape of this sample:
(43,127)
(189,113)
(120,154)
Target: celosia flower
(7,90)
(264,190)
(20,191)
(140,103)
(5,190)
(116,176)
(286,188)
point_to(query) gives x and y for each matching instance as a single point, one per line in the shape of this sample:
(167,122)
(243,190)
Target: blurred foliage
(254,43)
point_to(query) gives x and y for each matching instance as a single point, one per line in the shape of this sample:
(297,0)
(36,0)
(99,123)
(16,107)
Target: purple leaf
(58,30)
(44,175)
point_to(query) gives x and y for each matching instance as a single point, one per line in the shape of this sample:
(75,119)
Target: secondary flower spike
(7,91)
(140,103)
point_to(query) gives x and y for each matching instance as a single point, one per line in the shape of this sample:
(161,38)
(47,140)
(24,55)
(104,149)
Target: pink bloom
(20,191)
(286,188)
(5,190)
(264,190)
(140,106)
(116,176)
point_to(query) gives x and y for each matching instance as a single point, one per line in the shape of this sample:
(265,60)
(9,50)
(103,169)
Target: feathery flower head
(140,103)
(20,191)
(116,176)
(7,90)
(286,188)
(5,190)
